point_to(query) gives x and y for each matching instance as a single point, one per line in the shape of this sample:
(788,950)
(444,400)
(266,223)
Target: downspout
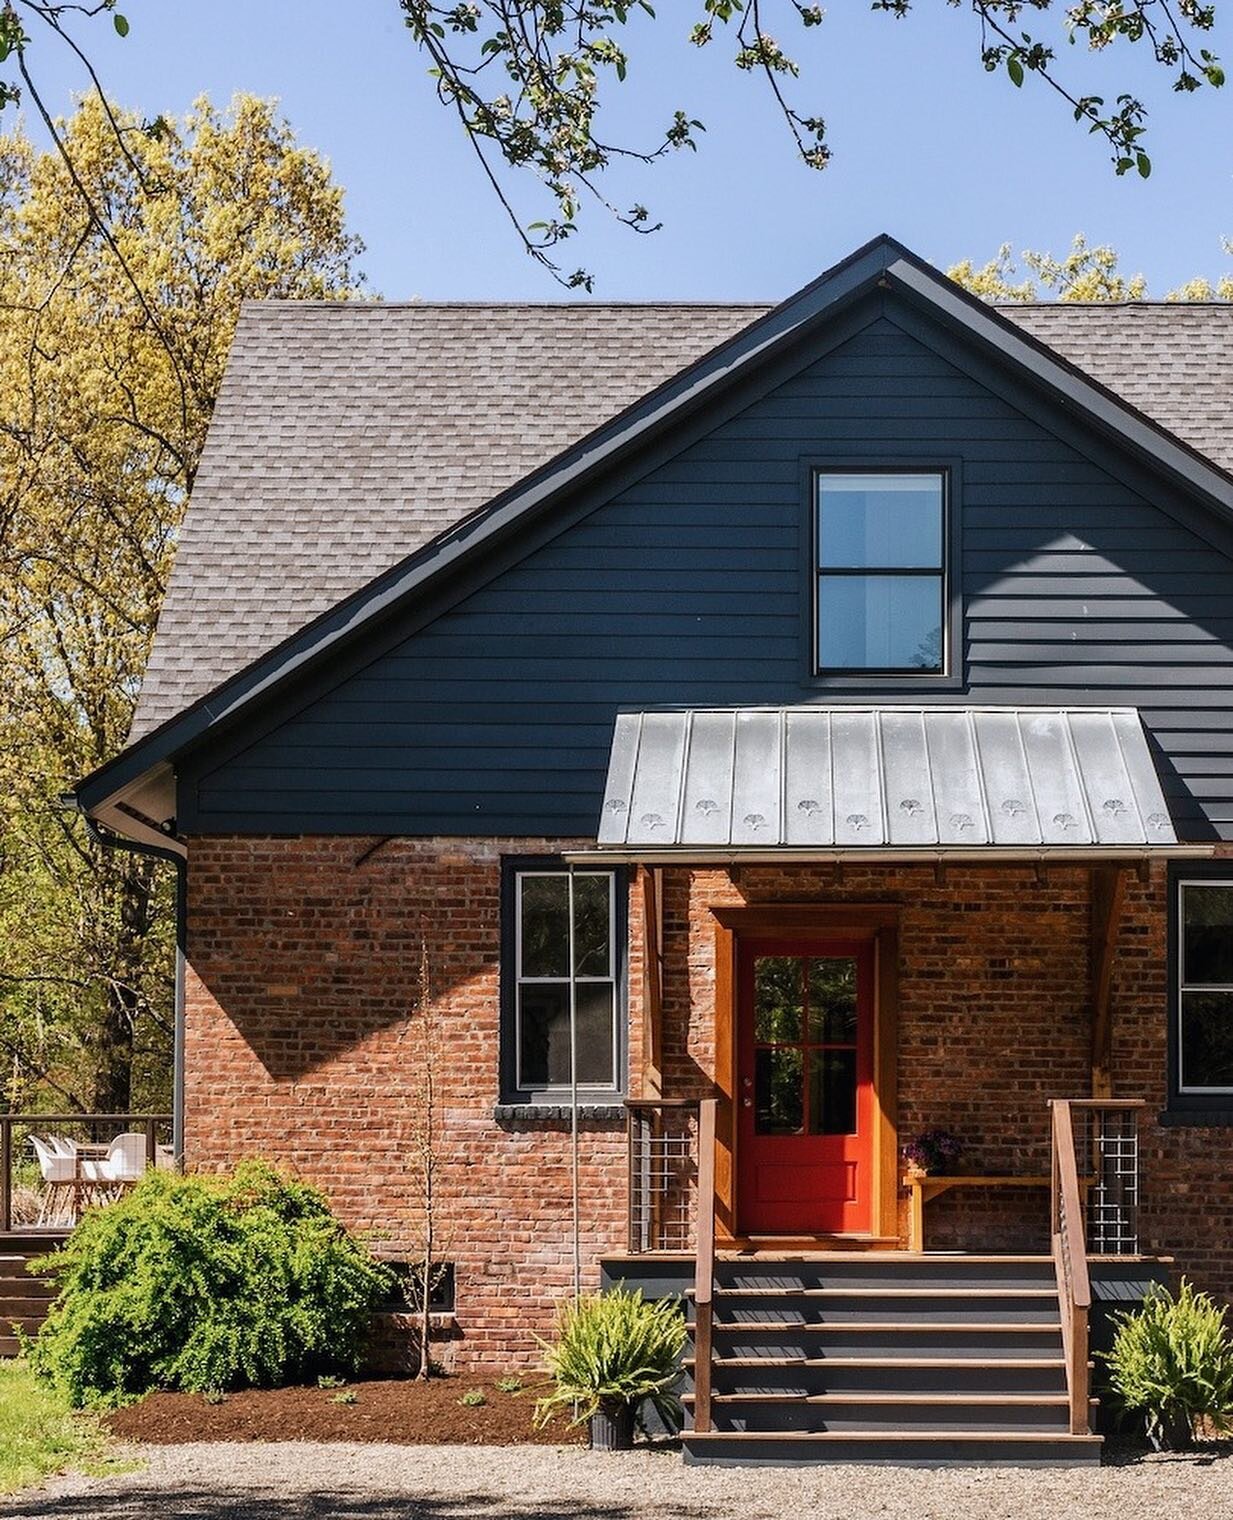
(107,840)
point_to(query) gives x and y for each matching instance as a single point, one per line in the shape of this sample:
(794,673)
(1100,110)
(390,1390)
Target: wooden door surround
(876,922)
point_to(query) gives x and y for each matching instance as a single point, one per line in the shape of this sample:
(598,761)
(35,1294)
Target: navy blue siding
(685,589)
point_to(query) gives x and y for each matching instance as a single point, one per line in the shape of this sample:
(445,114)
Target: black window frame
(1211,1106)
(512,1092)
(898,679)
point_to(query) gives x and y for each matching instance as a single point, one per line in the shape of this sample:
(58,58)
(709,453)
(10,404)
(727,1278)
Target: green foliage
(509,1385)
(474,1398)
(615,1349)
(1172,1360)
(347,1396)
(1086,273)
(203,1283)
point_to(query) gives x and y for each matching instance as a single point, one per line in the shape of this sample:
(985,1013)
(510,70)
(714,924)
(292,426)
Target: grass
(40,1435)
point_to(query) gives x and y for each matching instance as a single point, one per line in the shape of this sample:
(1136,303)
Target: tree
(1084,274)
(123,263)
(528,79)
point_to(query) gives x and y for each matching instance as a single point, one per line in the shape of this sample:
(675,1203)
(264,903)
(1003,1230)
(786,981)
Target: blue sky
(927,146)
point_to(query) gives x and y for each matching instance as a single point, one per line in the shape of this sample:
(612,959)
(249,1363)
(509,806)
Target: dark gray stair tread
(965,1363)
(972,1291)
(1060,1400)
(896,1327)
(870,1437)
(881,1258)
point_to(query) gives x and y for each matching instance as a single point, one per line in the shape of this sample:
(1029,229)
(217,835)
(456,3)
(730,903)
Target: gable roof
(347,436)
(881,264)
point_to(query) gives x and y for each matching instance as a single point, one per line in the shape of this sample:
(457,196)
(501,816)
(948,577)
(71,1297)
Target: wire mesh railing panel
(662,1177)
(1107,1152)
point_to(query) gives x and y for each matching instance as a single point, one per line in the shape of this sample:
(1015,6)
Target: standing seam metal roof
(883,777)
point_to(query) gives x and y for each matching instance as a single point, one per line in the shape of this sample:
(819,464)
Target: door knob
(748,1102)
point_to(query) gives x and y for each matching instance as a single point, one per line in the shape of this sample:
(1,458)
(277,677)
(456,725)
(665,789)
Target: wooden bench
(922,1188)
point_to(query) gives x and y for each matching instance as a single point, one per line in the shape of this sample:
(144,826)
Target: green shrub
(616,1350)
(1172,1361)
(202,1283)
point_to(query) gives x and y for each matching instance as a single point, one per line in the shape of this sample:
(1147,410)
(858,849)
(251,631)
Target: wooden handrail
(704,1265)
(1070,1264)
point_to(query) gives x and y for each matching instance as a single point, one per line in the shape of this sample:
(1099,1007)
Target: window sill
(1196,1118)
(534,1112)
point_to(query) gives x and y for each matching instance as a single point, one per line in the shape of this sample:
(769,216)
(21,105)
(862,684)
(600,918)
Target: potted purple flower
(933,1153)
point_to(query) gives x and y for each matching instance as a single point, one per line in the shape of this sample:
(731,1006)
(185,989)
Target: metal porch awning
(887,780)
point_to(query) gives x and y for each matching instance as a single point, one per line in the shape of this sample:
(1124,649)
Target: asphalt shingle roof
(346,436)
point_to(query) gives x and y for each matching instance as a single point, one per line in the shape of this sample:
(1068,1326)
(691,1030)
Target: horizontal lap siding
(685,590)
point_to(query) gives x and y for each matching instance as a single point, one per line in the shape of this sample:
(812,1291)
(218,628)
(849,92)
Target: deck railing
(663,1145)
(50,1195)
(1094,1210)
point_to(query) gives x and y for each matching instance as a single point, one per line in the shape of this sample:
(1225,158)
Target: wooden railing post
(704,1265)
(1070,1264)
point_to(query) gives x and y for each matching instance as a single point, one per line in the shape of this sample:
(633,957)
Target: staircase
(887,1357)
(24,1298)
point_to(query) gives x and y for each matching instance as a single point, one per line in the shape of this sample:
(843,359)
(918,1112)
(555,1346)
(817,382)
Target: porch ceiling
(888,780)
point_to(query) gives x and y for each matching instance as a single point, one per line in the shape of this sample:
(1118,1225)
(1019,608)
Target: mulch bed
(403,1413)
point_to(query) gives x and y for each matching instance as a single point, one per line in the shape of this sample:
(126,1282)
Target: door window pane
(832,1001)
(880,521)
(778,1015)
(832,1092)
(779,1107)
(880,622)
(1208,935)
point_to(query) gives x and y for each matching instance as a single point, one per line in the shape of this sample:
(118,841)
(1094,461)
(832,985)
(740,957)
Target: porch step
(918,1359)
(915,1448)
(24,1297)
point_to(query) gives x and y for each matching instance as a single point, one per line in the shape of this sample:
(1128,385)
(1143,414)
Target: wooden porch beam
(652,982)
(1108,892)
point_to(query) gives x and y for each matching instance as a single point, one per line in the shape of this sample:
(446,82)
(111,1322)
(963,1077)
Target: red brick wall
(305,1042)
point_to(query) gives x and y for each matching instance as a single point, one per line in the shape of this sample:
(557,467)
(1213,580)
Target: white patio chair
(125,1162)
(58,1166)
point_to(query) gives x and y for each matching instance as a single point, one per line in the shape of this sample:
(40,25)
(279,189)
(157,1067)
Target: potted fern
(614,1353)
(1172,1363)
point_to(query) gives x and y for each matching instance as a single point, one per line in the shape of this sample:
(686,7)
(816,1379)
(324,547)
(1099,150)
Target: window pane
(1208,941)
(832,1092)
(832,1001)
(595,1015)
(880,622)
(543,1011)
(777,999)
(880,521)
(592,950)
(543,1014)
(545,925)
(778,1095)
(1207,1039)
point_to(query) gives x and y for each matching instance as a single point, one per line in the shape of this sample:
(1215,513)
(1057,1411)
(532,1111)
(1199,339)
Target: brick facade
(307,1032)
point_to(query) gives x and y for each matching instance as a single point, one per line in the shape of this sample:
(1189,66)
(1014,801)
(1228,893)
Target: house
(719,745)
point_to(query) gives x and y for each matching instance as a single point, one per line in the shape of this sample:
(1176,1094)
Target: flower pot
(1171,1431)
(613,1429)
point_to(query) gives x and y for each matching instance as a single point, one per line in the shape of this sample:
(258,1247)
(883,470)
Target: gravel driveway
(301,1481)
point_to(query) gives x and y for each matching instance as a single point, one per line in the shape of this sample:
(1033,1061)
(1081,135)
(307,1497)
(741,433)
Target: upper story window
(880,604)
(562,979)
(1204,992)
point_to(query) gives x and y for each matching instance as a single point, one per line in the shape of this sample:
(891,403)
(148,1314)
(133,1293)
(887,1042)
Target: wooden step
(881,1361)
(885,1327)
(918,1448)
(891,1399)
(896,1293)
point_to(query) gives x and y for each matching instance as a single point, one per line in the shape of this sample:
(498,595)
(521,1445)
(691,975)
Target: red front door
(804,1086)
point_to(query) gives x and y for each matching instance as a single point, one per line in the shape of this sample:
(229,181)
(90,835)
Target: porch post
(1107,893)
(652,983)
